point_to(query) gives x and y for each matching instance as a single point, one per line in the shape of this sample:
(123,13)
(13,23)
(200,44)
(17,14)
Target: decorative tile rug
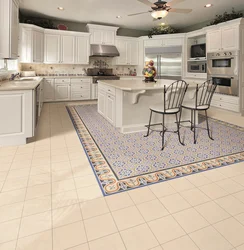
(126,161)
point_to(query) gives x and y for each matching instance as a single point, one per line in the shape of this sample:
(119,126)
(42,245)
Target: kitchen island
(125,104)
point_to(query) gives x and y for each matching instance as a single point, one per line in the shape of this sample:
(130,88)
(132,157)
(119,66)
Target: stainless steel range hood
(104,50)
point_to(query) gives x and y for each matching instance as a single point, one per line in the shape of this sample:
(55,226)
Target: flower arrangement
(161,30)
(149,71)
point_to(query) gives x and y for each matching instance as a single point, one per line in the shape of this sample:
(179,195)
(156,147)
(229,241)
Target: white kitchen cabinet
(67,49)
(163,42)
(38,46)
(49,90)
(226,102)
(102,34)
(129,51)
(52,48)
(62,89)
(80,89)
(82,49)
(150,42)
(110,108)
(9,28)
(102,102)
(223,39)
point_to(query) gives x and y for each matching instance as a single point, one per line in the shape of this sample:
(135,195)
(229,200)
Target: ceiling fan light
(159,14)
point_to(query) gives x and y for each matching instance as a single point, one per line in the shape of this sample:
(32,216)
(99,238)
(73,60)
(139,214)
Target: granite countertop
(135,85)
(21,84)
(66,77)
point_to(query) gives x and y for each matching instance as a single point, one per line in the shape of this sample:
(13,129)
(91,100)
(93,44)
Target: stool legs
(178,127)
(149,125)
(163,132)
(206,115)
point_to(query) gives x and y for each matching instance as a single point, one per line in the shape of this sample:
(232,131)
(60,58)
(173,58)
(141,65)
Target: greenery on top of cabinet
(161,30)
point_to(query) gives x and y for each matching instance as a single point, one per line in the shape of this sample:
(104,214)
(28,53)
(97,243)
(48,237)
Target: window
(8,65)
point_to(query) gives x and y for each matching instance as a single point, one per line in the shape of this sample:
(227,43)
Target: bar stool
(173,96)
(201,102)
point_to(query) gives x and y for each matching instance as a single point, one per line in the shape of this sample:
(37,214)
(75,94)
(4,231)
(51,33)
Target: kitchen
(78,169)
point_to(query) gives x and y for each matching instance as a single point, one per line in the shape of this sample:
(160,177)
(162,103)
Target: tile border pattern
(107,180)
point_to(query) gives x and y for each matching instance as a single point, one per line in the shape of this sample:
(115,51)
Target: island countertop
(136,85)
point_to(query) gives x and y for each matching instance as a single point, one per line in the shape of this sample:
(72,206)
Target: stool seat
(192,105)
(160,109)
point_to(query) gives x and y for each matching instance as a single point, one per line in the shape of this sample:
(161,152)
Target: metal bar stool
(173,96)
(203,97)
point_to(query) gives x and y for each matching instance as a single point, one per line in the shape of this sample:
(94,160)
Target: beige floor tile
(9,230)
(232,205)
(36,206)
(170,228)
(212,212)
(139,238)
(100,226)
(41,154)
(157,248)
(90,208)
(21,157)
(12,197)
(175,203)
(39,179)
(229,172)
(64,199)
(230,186)
(141,195)
(214,175)
(59,151)
(238,248)
(40,241)
(113,241)
(198,179)
(89,193)
(15,184)
(128,217)
(40,161)
(239,196)
(5,166)
(10,212)
(119,201)
(3,175)
(240,218)
(85,181)
(18,173)
(66,215)
(62,175)
(82,170)
(63,186)
(239,179)
(80,247)
(11,245)
(45,169)
(195,196)
(183,243)
(213,191)
(232,230)
(152,210)
(60,166)
(38,191)
(69,236)
(210,239)
(190,220)
(35,224)
(59,158)
(181,184)
(162,189)
(21,164)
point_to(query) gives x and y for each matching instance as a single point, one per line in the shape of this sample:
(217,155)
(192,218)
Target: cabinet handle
(81,87)
(81,80)
(81,96)
(109,90)
(109,96)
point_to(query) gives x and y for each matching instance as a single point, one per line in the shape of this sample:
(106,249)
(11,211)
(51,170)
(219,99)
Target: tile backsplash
(51,69)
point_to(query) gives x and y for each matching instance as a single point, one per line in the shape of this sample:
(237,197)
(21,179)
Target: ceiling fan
(161,9)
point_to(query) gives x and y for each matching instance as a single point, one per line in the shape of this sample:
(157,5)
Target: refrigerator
(167,61)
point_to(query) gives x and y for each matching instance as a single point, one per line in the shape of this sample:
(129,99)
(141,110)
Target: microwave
(197,67)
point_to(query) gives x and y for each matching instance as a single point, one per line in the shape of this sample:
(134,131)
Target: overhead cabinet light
(60,8)
(208,5)
(159,14)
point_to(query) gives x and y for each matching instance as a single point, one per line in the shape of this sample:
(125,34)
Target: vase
(149,79)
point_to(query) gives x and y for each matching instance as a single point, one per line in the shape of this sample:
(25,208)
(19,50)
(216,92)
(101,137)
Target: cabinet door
(48,90)
(14,29)
(82,50)
(134,52)
(62,92)
(230,38)
(38,44)
(172,42)
(52,48)
(67,49)
(110,108)
(153,42)
(122,48)
(214,41)
(96,37)
(102,103)
(108,37)
(26,46)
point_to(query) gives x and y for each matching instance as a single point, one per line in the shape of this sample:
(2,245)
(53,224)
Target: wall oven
(222,63)
(227,85)
(197,67)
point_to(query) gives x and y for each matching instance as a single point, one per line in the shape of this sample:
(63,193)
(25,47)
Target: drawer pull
(109,90)
(109,96)
(81,87)
(81,96)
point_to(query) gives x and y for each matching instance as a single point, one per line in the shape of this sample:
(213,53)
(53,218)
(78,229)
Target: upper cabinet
(31,43)
(128,48)
(225,38)
(52,48)
(102,34)
(82,49)
(163,42)
(9,28)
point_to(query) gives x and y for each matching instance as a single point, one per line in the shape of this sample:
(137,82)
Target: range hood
(104,50)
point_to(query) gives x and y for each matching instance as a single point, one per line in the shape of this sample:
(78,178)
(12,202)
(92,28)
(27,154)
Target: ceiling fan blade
(173,2)
(148,3)
(184,11)
(139,13)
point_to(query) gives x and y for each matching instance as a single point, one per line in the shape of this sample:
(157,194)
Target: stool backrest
(204,93)
(174,95)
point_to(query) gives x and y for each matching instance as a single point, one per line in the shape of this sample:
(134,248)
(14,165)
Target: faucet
(13,76)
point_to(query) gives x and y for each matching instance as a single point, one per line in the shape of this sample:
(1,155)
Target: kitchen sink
(24,80)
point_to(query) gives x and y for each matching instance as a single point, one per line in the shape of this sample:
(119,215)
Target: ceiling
(105,11)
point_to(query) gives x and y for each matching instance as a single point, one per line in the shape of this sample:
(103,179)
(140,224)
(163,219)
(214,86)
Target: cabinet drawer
(226,99)
(107,89)
(62,80)
(228,106)
(79,80)
(79,87)
(80,95)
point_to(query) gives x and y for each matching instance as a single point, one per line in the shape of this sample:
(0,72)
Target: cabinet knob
(81,96)
(81,87)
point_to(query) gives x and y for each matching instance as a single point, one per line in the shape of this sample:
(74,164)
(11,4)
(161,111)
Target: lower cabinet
(106,103)
(49,90)
(62,92)
(226,102)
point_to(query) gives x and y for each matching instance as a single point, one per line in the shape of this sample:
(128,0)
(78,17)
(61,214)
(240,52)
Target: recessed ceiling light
(208,5)
(118,16)
(60,8)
